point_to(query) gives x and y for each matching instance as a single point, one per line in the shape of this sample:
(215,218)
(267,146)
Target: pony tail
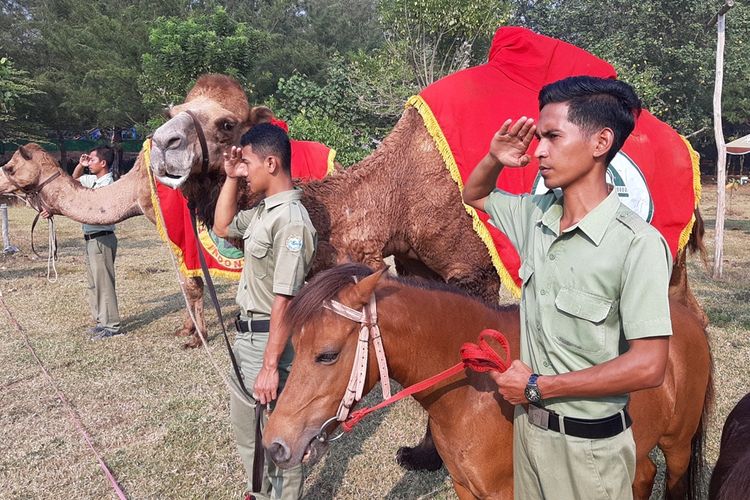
(697,466)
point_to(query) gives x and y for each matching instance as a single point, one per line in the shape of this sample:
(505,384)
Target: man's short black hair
(105,153)
(596,103)
(270,140)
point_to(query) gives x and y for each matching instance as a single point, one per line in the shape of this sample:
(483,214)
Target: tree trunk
(63,151)
(117,145)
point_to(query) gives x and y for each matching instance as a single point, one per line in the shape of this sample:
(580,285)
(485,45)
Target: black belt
(256,325)
(598,428)
(97,234)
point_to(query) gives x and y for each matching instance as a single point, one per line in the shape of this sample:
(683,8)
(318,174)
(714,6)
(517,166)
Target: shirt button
(545,363)
(543,292)
(552,257)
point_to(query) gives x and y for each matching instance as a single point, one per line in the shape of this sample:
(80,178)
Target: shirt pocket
(259,258)
(583,315)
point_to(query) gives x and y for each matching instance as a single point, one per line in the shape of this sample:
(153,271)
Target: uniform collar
(282,197)
(593,225)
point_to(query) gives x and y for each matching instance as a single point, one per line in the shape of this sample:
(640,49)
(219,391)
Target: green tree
(438,37)
(15,89)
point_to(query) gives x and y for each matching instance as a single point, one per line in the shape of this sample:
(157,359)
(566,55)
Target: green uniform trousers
(551,465)
(100,270)
(277,483)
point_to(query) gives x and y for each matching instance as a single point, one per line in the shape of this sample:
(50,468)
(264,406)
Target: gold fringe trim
(331,162)
(697,191)
(433,127)
(176,250)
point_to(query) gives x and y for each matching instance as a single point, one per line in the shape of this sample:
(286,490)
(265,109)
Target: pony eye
(228,126)
(326,358)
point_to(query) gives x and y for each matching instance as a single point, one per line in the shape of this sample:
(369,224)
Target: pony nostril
(279,452)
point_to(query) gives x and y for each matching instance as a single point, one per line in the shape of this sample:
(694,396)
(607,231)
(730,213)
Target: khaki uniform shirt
(279,243)
(94,182)
(586,290)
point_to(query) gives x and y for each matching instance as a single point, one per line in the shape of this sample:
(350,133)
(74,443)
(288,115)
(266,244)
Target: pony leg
(677,457)
(461,492)
(424,456)
(645,472)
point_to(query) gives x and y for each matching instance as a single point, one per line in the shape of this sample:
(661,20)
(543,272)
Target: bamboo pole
(721,160)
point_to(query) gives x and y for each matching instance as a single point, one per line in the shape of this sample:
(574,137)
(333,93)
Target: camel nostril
(174,142)
(279,451)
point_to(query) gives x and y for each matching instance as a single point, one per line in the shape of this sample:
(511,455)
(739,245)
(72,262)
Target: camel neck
(106,205)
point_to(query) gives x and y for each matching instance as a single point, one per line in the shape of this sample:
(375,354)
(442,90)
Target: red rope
(480,357)
(73,415)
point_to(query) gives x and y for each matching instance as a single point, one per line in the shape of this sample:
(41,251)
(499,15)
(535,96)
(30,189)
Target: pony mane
(324,286)
(327,284)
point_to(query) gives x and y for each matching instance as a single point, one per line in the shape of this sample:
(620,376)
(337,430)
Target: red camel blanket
(656,173)
(310,160)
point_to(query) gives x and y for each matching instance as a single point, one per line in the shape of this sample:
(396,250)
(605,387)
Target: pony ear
(359,294)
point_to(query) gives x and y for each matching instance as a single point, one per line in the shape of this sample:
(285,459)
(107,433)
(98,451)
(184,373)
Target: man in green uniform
(279,242)
(595,322)
(100,249)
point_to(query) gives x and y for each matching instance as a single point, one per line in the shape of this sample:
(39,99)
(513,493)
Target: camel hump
(632,220)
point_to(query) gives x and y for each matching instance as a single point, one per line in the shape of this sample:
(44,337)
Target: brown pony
(731,476)
(423,325)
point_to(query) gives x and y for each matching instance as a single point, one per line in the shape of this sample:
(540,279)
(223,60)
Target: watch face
(532,394)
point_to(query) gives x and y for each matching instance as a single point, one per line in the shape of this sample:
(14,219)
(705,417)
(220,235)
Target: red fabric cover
(471,105)
(310,160)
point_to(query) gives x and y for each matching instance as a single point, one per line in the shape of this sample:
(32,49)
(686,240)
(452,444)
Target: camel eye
(326,358)
(228,126)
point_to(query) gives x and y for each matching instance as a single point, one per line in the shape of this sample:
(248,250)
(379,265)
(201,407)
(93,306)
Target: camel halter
(32,195)
(368,319)
(202,140)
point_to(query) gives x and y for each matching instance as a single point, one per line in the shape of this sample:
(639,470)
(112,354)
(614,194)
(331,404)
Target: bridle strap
(369,329)
(201,139)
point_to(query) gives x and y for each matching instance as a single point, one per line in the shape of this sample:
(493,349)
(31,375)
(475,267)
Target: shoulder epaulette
(632,220)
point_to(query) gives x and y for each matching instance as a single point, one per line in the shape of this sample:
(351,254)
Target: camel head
(219,104)
(29,167)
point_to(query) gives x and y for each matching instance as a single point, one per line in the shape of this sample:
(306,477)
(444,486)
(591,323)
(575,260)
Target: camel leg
(424,456)
(645,472)
(193,288)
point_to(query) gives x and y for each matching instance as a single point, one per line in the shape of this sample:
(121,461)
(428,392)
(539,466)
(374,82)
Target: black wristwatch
(532,392)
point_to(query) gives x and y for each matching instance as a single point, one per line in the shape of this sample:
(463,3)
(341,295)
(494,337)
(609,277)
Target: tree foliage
(662,48)
(438,37)
(180,50)
(15,89)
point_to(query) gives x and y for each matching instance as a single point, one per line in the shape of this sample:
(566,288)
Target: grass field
(158,414)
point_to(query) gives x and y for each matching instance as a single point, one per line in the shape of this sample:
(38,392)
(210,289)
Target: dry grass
(158,413)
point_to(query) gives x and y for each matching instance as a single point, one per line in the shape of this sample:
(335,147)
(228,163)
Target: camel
(130,196)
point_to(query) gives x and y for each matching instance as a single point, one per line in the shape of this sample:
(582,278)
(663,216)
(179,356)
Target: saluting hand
(232,160)
(511,383)
(510,143)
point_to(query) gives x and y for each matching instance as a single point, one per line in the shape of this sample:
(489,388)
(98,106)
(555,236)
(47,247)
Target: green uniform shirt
(93,182)
(279,242)
(586,290)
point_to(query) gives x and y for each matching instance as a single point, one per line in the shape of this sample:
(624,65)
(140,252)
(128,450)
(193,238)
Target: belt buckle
(237,324)
(539,417)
